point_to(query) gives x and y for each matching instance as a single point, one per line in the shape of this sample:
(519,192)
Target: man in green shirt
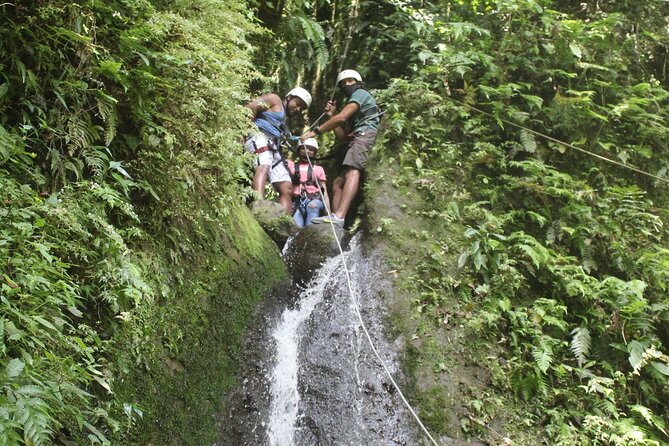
(356,124)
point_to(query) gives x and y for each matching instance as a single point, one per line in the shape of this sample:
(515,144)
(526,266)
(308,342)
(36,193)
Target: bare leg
(349,190)
(260,179)
(337,188)
(285,189)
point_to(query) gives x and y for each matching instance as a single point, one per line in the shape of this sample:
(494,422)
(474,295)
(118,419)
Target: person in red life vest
(308,198)
(270,115)
(356,125)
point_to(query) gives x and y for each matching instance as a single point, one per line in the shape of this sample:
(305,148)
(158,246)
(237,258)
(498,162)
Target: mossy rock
(311,247)
(274,220)
(176,358)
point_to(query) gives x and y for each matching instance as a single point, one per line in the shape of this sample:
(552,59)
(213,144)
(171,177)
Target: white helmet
(309,142)
(302,94)
(346,74)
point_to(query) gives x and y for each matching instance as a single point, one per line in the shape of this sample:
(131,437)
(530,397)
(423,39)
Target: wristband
(316,131)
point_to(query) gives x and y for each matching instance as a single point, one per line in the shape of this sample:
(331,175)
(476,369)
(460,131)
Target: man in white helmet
(270,114)
(356,125)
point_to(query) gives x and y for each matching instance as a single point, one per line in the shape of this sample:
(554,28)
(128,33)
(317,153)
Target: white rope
(343,256)
(342,59)
(362,322)
(558,141)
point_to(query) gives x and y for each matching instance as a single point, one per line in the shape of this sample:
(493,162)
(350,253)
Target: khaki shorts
(356,155)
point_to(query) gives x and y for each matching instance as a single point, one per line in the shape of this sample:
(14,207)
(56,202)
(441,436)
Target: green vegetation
(124,243)
(534,265)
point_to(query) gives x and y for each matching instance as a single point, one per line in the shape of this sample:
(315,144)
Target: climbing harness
(356,306)
(301,201)
(297,176)
(284,132)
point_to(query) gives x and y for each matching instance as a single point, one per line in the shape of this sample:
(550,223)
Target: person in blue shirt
(270,114)
(356,125)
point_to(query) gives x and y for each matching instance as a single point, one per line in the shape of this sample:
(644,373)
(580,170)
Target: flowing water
(284,393)
(310,377)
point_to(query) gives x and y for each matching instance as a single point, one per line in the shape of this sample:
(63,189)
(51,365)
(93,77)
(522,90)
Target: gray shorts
(356,155)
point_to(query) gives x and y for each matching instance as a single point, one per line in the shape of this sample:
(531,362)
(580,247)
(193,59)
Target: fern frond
(543,356)
(531,248)
(580,344)
(528,141)
(542,385)
(96,158)
(81,133)
(8,434)
(607,407)
(107,111)
(33,415)
(650,418)
(314,34)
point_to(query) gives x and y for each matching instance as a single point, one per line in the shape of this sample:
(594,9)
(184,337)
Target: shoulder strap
(296,173)
(283,125)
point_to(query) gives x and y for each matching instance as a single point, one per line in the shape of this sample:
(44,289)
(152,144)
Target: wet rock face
(310,247)
(345,396)
(274,220)
(244,422)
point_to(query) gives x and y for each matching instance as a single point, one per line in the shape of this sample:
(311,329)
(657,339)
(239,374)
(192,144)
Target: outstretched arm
(334,122)
(340,132)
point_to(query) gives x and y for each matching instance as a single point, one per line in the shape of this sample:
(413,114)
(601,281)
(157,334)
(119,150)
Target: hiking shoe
(319,220)
(332,218)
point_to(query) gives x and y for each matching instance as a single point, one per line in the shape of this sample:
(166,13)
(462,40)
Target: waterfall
(311,377)
(283,380)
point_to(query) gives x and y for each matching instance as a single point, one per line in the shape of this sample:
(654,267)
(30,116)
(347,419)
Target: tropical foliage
(120,189)
(562,247)
(123,244)
(562,254)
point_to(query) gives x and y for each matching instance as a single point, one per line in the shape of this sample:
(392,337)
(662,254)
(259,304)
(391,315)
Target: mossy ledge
(179,367)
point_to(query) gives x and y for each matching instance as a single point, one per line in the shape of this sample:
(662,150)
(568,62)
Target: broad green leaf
(462,260)
(14,368)
(44,322)
(75,311)
(576,50)
(44,251)
(661,367)
(636,350)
